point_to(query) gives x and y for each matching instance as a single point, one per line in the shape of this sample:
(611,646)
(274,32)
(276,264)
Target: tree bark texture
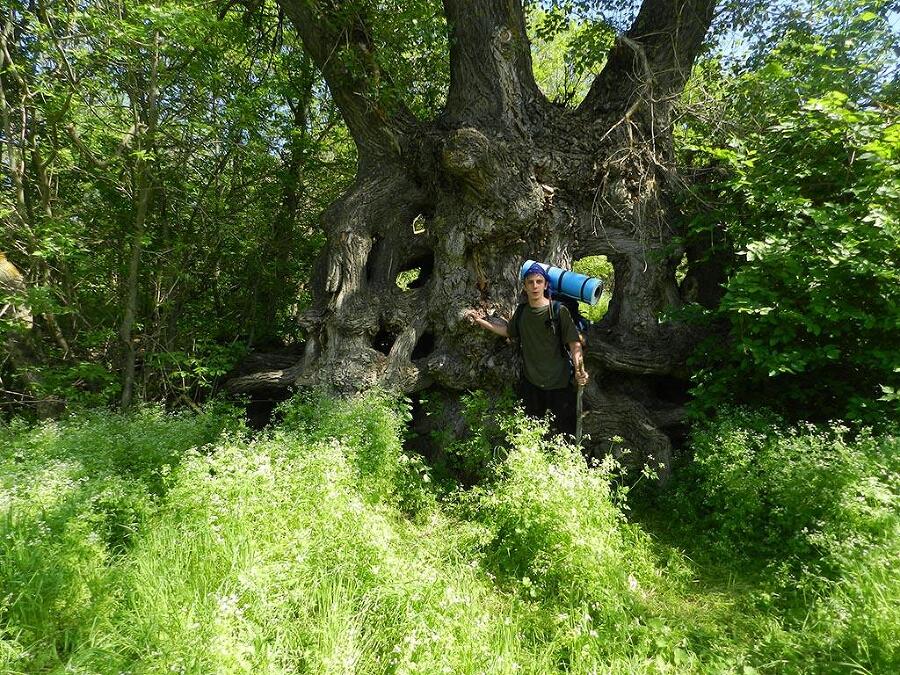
(500,176)
(17,339)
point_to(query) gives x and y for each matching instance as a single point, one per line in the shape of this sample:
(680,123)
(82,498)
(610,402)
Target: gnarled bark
(17,345)
(500,176)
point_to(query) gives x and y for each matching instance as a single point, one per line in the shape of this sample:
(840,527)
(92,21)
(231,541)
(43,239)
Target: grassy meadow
(185,543)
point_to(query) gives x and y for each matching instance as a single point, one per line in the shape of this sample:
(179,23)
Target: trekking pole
(578,411)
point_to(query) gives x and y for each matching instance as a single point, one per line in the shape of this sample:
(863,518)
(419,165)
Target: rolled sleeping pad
(571,284)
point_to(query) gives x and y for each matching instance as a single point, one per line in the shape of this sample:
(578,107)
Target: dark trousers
(560,402)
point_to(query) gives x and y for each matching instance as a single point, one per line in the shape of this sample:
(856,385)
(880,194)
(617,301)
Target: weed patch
(158,543)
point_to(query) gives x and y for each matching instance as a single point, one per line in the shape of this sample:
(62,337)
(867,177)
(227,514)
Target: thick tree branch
(265,381)
(491,79)
(653,60)
(337,38)
(620,360)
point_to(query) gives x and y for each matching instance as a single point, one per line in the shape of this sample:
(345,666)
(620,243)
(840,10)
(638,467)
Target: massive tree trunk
(500,176)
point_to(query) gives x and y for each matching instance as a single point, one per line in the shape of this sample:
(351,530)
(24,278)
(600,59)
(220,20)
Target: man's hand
(577,353)
(581,377)
(475,318)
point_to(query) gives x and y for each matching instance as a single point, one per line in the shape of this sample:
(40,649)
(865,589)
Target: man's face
(534,286)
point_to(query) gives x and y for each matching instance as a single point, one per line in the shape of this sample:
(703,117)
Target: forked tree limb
(339,40)
(654,58)
(491,76)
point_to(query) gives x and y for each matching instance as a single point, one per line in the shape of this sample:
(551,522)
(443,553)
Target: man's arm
(581,375)
(498,328)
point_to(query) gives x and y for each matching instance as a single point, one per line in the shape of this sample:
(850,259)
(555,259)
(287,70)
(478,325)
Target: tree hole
(373,260)
(415,273)
(598,267)
(383,341)
(682,269)
(407,277)
(424,346)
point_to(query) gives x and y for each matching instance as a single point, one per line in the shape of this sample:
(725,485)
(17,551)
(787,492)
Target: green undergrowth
(810,512)
(154,543)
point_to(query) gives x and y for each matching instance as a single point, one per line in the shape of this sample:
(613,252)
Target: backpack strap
(517,317)
(555,307)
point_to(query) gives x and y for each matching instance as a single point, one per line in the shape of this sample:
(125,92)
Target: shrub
(819,507)
(370,427)
(555,537)
(474,455)
(809,205)
(774,488)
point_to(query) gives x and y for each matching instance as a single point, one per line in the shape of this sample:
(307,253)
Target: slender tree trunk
(282,242)
(131,298)
(143,192)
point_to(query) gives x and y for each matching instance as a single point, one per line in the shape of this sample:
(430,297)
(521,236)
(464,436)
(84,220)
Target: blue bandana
(537,269)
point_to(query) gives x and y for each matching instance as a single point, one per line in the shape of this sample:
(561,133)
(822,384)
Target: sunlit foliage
(164,543)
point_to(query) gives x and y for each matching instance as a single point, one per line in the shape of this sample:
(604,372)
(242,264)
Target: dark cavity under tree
(501,175)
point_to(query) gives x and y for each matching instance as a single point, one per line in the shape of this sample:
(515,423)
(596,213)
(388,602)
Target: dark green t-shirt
(545,364)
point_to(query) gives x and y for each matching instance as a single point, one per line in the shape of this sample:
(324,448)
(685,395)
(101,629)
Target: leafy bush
(370,429)
(82,385)
(819,508)
(473,455)
(804,177)
(813,310)
(555,531)
(777,489)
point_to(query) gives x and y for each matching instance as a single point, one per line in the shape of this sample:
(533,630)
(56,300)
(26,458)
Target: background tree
(153,158)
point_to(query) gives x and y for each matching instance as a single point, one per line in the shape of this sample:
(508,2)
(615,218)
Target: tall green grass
(154,543)
(75,498)
(817,510)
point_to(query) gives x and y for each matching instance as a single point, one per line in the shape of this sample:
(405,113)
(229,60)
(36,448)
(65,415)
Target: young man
(545,384)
